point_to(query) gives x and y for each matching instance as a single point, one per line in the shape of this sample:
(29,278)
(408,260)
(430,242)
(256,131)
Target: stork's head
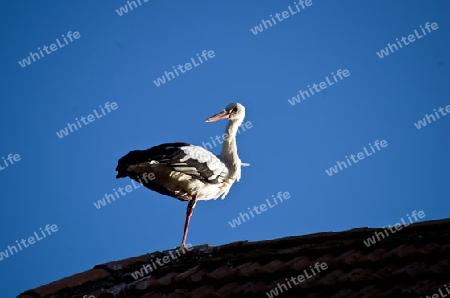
(234,111)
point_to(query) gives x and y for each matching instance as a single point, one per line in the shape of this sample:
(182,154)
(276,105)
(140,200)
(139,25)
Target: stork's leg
(190,209)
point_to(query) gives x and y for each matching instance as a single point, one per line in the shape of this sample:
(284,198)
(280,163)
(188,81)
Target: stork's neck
(229,153)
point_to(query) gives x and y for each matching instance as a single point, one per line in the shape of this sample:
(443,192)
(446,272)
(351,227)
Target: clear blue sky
(116,58)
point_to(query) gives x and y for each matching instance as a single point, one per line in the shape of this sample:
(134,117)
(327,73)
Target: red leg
(190,209)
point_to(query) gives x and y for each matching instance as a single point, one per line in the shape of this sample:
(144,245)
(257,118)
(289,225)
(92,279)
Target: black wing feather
(168,154)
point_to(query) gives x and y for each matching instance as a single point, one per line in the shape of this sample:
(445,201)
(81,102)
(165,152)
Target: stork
(187,172)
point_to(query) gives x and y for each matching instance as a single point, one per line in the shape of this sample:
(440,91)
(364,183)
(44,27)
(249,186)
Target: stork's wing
(188,159)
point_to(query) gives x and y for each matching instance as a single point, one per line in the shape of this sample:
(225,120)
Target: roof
(412,262)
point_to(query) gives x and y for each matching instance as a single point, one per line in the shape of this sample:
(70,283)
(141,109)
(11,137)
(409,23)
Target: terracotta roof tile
(258,287)
(441,267)
(385,272)
(429,248)
(251,270)
(292,261)
(301,264)
(346,258)
(186,273)
(146,283)
(197,276)
(274,266)
(223,272)
(204,292)
(332,277)
(247,288)
(166,279)
(228,289)
(329,259)
(411,270)
(377,254)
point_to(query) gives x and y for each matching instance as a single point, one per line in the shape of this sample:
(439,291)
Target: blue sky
(116,58)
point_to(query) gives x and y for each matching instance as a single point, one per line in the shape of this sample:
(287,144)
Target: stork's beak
(219,116)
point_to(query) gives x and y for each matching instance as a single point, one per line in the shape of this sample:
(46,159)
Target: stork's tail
(125,161)
(121,168)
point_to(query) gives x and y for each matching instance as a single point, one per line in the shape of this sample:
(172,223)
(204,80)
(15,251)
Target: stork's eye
(235,110)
